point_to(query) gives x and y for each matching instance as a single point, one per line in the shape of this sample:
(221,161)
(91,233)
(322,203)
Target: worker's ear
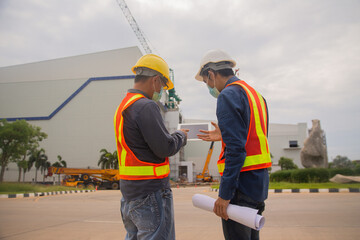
(157,80)
(152,80)
(211,76)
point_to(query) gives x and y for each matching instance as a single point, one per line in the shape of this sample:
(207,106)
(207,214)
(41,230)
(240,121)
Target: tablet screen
(194,129)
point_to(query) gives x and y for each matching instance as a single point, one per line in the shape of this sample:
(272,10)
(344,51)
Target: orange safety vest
(130,167)
(257,147)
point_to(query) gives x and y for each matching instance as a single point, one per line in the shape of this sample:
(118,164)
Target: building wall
(280,136)
(84,124)
(108,63)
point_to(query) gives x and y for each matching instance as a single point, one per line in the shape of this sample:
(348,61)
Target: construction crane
(172,99)
(205,176)
(139,34)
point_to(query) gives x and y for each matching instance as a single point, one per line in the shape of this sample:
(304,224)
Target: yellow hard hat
(156,63)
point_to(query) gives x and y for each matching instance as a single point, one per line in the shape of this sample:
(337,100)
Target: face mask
(213,91)
(157,96)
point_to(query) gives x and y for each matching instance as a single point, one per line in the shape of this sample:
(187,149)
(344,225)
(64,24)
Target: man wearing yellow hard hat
(143,146)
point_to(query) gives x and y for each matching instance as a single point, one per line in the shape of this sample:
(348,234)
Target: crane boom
(135,27)
(172,98)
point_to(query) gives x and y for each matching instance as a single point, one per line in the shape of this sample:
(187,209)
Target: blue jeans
(236,231)
(149,218)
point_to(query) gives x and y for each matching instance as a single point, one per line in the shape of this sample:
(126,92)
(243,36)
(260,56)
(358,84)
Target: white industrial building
(73,100)
(287,140)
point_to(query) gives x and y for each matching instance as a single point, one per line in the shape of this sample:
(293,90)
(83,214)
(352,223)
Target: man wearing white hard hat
(242,116)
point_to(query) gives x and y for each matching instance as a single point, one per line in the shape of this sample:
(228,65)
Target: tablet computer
(194,129)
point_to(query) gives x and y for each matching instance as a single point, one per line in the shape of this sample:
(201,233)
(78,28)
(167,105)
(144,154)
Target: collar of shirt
(138,91)
(231,80)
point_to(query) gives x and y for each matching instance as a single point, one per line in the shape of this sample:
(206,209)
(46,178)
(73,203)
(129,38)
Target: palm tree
(40,159)
(104,161)
(60,163)
(30,163)
(26,169)
(22,165)
(108,160)
(44,167)
(115,161)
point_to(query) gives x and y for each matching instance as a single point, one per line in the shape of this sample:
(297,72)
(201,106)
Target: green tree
(341,162)
(108,160)
(17,139)
(287,164)
(39,158)
(270,168)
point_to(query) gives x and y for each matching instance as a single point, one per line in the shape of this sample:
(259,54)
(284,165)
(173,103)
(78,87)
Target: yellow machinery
(90,178)
(205,176)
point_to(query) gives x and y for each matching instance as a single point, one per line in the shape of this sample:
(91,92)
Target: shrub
(287,163)
(310,175)
(281,176)
(342,171)
(357,169)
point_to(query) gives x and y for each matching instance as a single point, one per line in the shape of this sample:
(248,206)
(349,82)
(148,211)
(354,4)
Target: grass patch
(287,185)
(16,188)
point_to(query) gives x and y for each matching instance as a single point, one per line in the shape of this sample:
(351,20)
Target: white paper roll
(244,215)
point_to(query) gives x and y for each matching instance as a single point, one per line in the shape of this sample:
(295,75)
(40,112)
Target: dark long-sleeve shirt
(233,114)
(146,136)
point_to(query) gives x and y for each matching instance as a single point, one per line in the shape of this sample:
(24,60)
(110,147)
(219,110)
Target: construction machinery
(205,176)
(90,178)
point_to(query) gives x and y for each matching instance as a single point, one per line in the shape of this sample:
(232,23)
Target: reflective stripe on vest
(257,148)
(130,167)
(144,171)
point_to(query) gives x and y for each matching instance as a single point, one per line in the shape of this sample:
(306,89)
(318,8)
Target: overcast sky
(302,56)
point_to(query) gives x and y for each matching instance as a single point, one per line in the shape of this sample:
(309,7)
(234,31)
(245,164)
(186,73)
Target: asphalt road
(96,216)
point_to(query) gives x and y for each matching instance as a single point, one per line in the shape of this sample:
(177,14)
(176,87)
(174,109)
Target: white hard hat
(216,60)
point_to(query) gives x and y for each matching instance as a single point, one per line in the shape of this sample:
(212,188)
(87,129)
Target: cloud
(303,56)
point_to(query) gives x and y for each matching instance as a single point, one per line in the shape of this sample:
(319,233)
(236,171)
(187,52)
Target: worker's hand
(211,136)
(185,131)
(220,208)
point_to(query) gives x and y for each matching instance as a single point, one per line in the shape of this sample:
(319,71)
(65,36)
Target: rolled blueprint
(244,215)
